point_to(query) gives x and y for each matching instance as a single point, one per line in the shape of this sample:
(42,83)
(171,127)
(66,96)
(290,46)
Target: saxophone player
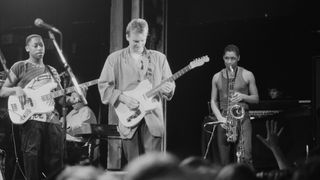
(233,88)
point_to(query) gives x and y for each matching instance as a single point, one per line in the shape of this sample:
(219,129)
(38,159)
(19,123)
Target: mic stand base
(209,142)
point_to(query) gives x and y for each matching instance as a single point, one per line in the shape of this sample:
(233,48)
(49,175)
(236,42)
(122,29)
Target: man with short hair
(41,134)
(122,71)
(233,88)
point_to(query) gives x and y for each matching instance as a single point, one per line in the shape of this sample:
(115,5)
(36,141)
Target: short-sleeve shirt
(34,76)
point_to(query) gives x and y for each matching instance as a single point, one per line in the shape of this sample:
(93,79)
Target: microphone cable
(17,163)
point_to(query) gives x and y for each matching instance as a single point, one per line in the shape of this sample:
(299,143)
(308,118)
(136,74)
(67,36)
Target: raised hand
(271,141)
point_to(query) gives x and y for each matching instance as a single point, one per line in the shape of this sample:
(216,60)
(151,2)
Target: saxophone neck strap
(229,80)
(234,77)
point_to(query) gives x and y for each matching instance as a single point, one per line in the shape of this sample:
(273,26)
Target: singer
(232,89)
(41,135)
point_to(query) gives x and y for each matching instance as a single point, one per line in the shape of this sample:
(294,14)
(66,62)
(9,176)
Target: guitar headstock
(199,61)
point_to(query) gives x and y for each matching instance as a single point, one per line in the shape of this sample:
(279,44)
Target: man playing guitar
(41,135)
(122,71)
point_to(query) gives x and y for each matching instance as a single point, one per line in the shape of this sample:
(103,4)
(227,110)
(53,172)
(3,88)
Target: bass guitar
(38,101)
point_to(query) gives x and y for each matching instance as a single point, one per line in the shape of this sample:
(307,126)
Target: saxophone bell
(237,111)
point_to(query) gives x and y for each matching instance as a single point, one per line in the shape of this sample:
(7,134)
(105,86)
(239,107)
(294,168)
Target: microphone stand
(61,42)
(69,73)
(4,62)
(68,69)
(64,114)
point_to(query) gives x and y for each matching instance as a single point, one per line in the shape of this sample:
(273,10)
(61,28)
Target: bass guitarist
(41,135)
(122,71)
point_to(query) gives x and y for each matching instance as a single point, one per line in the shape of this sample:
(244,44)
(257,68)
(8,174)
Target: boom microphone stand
(4,62)
(68,68)
(69,73)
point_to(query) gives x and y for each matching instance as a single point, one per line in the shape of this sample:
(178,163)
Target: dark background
(277,41)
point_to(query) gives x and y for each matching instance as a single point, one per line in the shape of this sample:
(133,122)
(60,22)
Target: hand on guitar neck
(167,87)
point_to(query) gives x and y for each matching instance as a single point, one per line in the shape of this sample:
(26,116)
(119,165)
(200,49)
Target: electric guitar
(144,94)
(38,101)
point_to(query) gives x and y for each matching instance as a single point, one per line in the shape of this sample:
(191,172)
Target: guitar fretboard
(68,90)
(170,79)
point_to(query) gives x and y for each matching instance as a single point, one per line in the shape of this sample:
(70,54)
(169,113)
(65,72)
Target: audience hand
(271,141)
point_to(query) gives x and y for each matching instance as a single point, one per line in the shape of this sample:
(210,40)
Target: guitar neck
(175,76)
(68,90)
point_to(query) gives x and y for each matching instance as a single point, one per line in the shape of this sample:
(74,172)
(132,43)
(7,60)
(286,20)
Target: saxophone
(235,112)
(240,150)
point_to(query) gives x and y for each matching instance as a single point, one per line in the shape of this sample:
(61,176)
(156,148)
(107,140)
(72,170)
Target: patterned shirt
(33,77)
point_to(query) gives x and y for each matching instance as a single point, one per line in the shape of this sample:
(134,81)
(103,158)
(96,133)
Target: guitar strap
(27,76)
(54,116)
(55,79)
(149,73)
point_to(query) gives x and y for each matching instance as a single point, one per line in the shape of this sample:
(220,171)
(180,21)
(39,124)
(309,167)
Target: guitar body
(129,117)
(19,113)
(39,100)
(144,93)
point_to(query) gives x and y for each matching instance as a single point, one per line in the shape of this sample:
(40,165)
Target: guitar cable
(17,163)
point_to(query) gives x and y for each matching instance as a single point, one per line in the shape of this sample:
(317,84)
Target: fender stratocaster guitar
(38,101)
(144,93)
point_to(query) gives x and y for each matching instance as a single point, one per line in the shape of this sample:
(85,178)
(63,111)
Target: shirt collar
(145,52)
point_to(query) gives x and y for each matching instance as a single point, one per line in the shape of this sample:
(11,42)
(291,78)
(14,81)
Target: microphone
(40,23)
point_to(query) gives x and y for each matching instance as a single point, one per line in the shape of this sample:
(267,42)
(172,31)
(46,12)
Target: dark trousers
(42,147)
(142,141)
(227,150)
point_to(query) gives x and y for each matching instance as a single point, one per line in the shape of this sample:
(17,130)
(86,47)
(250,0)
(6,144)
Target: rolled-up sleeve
(166,73)
(106,83)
